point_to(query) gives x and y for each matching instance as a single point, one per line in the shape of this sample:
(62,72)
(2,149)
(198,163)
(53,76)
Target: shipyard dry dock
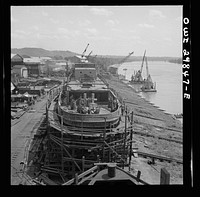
(156,142)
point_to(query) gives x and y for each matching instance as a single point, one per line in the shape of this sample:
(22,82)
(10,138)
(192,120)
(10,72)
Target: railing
(53,93)
(54,120)
(79,179)
(91,117)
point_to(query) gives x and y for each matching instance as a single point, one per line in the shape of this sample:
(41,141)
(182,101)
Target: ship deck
(90,132)
(120,177)
(96,85)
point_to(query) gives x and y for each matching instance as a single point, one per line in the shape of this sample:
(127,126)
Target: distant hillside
(139,58)
(103,59)
(39,52)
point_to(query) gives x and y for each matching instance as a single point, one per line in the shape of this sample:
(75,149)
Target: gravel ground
(151,120)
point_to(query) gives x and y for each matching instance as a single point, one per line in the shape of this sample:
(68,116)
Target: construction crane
(148,85)
(89,54)
(123,60)
(138,75)
(147,69)
(142,62)
(83,54)
(113,69)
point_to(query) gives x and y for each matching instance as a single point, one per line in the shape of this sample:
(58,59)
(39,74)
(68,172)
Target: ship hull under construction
(86,103)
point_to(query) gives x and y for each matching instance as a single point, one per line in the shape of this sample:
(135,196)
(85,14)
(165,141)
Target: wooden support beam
(68,154)
(98,159)
(114,151)
(125,137)
(76,179)
(94,168)
(104,137)
(138,175)
(62,165)
(131,137)
(103,164)
(83,163)
(82,176)
(73,166)
(164,177)
(87,178)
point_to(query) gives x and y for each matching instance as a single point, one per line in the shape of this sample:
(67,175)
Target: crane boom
(83,54)
(143,61)
(147,66)
(89,54)
(123,60)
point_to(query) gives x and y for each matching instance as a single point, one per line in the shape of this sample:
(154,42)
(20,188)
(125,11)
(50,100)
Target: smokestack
(84,95)
(92,97)
(111,170)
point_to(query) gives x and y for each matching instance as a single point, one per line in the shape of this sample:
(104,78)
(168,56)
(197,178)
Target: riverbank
(159,125)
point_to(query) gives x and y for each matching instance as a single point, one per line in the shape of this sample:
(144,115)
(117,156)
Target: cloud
(168,39)
(70,22)
(112,22)
(38,35)
(105,38)
(45,36)
(25,33)
(34,27)
(132,31)
(54,21)
(17,36)
(179,19)
(55,37)
(63,30)
(20,34)
(92,31)
(14,20)
(144,25)
(45,13)
(134,37)
(156,14)
(84,23)
(66,33)
(101,11)
(116,30)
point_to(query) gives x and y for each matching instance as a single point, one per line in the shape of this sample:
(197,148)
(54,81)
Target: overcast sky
(110,30)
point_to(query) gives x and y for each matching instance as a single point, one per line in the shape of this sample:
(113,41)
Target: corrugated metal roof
(32,60)
(13,54)
(13,86)
(114,66)
(85,69)
(61,64)
(19,66)
(45,58)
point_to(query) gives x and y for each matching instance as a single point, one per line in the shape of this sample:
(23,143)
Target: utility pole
(131,137)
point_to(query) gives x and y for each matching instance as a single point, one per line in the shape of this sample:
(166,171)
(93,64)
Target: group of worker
(113,104)
(86,105)
(83,105)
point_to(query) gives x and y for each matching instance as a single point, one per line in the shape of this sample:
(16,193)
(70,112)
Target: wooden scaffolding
(67,154)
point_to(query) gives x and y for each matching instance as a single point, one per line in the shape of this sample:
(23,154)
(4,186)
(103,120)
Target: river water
(168,78)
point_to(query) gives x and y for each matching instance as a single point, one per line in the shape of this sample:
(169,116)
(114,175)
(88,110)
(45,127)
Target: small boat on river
(148,85)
